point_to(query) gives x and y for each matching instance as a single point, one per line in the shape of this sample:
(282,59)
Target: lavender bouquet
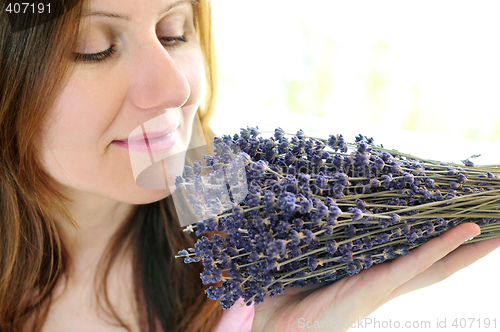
(304,210)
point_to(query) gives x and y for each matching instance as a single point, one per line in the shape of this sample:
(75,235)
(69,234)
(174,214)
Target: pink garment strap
(238,318)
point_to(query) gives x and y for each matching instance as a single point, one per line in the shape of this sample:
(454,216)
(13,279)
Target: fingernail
(476,234)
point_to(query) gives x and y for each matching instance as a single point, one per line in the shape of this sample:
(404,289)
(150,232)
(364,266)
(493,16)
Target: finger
(420,259)
(301,292)
(289,296)
(456,260)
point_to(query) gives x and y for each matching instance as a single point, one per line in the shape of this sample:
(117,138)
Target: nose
(157,83)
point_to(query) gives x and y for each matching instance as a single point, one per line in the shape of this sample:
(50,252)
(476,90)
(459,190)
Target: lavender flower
(303,210)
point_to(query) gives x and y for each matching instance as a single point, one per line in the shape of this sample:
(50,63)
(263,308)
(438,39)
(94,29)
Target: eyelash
(97,57)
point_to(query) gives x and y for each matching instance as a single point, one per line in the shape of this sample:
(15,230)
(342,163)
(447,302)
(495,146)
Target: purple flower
(214,293)
(467,162)
(353,268)
(386,180)
(331,246)
(308,236)
(179,181)
(334,211)
(380,239)
(322,210)
(211,276)
(356,213)
(312,263)
(286,202)
(388,252)
(275,289)
(278,133)
(413,235)
(383,223)
(395,218)
(366,259)
(332,141)
(305,206)
(402,249)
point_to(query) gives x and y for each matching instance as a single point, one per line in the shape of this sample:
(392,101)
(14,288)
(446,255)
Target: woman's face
(138,59)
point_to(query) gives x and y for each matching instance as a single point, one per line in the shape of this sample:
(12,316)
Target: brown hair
(34,65)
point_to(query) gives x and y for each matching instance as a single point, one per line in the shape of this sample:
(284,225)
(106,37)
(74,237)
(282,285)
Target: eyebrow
(129,18)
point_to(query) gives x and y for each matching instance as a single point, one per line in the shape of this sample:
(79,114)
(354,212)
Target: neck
(98,219)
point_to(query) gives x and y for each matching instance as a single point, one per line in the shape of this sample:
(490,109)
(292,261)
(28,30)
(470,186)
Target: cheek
(70,141)
(82,110)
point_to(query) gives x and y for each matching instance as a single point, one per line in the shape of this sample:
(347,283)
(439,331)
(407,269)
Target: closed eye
(174,41)
(97,57)
(94,57)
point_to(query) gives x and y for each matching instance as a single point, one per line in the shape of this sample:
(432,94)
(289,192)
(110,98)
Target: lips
(149,141)
(149,134)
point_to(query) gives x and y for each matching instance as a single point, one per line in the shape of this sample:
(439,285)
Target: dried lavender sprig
(302,210)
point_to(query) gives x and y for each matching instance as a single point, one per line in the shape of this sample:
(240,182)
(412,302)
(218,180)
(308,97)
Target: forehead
(133,9)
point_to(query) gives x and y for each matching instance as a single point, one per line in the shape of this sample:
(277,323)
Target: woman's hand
(355,297)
